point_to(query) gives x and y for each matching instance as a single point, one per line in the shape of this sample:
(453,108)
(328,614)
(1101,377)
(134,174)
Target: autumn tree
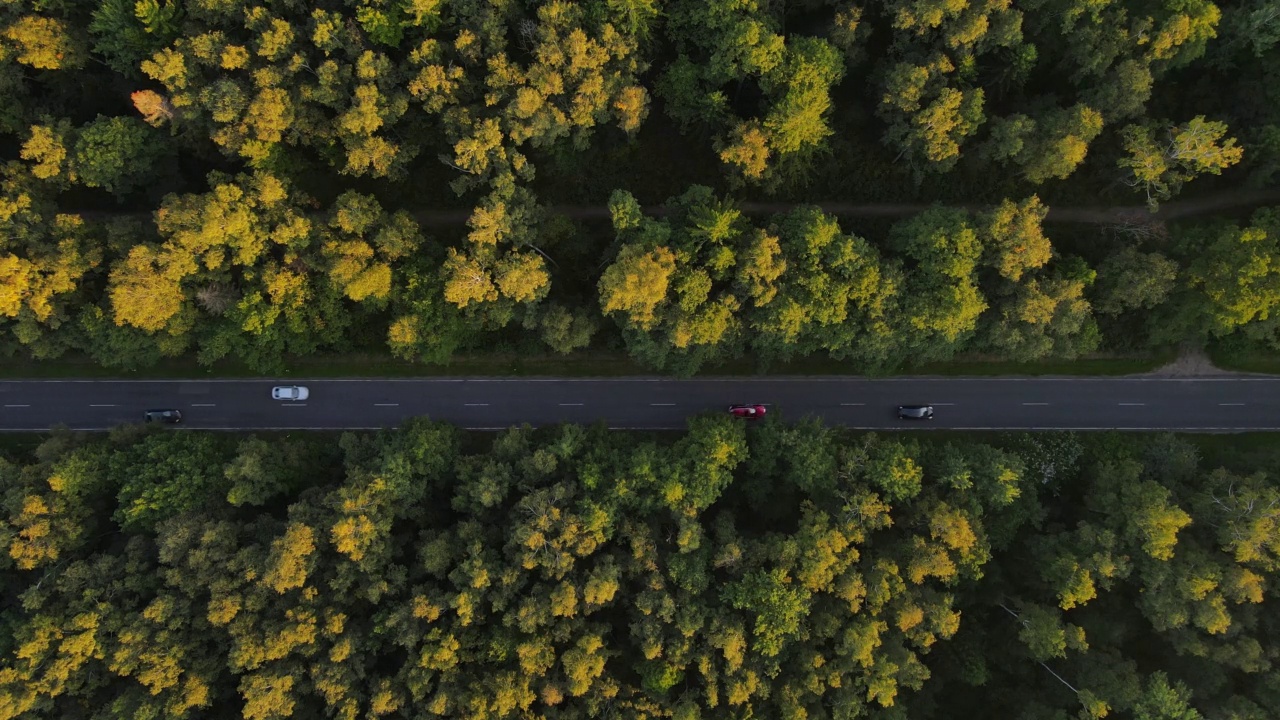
(1160,167)
(45,257)
(928,119)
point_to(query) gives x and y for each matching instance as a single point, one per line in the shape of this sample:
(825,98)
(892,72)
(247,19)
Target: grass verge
(1241,452)
(598,364)
(1242,359)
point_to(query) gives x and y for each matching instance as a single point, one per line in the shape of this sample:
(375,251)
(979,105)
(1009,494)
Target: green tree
(1133,280)
(116,154)
(1235,272)
(126,32)
(165,475)
(1051,146)
(942,302)
(778,606)
(1044,315)
(836,294)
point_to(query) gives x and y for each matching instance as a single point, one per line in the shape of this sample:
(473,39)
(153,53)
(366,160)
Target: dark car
(164,416)
(915,412)
(750,412)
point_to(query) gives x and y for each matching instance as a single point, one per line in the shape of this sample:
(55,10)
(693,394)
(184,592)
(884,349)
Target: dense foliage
(570,572)
(245,178)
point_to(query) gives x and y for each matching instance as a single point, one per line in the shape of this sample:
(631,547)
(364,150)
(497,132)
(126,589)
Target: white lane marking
(386,404)
(203,405)
(295,404)
(17,406)
(852,404)
(1131,404)
(570,404)
(662,404)
(1230,404)
(942,404)
(476,405)
(1035,403)
(102,406)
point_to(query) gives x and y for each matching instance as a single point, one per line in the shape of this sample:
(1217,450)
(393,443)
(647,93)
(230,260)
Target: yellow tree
(635,284)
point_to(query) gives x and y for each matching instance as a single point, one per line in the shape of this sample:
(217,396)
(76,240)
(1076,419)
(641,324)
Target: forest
(784,571)
(261,180)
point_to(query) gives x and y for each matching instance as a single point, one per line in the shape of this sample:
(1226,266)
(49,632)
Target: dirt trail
(1099,215)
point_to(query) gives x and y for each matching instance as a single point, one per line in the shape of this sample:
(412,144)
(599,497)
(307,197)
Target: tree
(1237,274)
(360,241)
(564,329)
(837,294)
(126,32)
(1052,146)
(1160,170)
(165,475)
(723,42)
(425,325)
(1165,701)
(796,123)
(942,302)
(50,507)
(261,471)
(778,606)
(636,284)
(1014,241)
(1133,280)
(290,560)
(116,154)
(1047,317)
(44,43)
(46,148)
(928,119)
(145,289)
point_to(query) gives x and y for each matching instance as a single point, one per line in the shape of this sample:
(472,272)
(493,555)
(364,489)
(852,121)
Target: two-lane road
(1128,403)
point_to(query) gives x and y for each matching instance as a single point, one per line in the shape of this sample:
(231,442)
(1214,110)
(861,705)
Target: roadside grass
(19,446)
(1245,358)
(593,364)
(1243,452)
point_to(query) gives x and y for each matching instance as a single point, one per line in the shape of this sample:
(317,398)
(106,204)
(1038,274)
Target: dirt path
(1098,215)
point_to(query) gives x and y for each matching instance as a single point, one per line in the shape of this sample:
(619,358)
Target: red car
(750,412)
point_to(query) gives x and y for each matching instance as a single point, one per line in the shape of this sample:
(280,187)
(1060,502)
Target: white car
(289,392)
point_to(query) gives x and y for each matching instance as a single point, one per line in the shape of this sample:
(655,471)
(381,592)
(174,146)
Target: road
(1126,403)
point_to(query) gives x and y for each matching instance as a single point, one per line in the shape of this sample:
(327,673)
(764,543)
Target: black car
(164,416)
(915,412)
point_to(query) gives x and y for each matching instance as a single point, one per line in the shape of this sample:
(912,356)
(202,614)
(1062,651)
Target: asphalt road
(1132,403)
